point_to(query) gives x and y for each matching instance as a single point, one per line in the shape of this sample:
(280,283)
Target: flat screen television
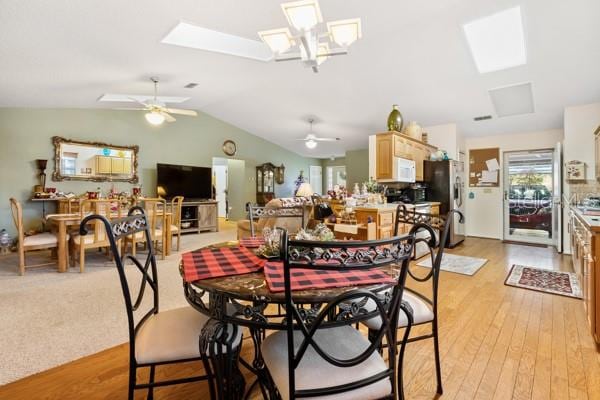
(193,183)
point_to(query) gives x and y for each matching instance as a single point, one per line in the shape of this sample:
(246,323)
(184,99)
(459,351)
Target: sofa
(292,225)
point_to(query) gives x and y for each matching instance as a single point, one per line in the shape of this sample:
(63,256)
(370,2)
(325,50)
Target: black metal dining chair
(157,338)
(256,212)
(320,353)
(425,309)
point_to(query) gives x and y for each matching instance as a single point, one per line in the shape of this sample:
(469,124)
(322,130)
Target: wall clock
(229,147)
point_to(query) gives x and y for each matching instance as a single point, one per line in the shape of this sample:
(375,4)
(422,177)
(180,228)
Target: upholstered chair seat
(422,311)
(172,335)
(315,372)
(45,239)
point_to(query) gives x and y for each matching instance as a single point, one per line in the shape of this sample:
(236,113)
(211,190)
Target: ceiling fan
(158,112)
(311,140)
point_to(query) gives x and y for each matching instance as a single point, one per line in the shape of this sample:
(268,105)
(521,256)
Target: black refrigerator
(446,184)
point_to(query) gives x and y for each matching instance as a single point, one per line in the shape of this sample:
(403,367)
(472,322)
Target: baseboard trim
(525,243)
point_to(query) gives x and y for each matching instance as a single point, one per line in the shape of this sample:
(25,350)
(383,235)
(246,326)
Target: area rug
(544,280)
(458,264)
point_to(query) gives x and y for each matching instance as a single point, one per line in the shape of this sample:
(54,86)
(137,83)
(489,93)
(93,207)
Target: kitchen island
(384,216)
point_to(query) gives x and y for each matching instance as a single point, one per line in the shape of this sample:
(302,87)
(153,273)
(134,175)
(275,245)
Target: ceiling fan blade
(129,109)
(303,139)
(168,117)
(326,139)
(181,111)
(140,102)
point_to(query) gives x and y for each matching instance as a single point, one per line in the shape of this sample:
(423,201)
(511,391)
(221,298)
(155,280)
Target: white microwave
(403,171)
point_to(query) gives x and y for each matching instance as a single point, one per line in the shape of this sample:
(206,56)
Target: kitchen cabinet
(585,249)
(113,165)
(393,144)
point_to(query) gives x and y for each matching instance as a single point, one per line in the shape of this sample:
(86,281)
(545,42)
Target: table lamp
(41,165)
(305,190)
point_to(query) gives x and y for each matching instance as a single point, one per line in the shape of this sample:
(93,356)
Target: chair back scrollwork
(259,212)
(389,255)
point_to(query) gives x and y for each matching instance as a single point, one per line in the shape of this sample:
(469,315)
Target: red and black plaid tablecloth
(217,262)
(252,242)
(303,279)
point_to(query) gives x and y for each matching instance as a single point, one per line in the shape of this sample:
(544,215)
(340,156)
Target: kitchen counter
(584,235)
(392,206)
(590,218)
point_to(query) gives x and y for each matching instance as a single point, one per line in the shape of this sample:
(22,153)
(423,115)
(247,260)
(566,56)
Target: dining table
(246,301)
(62,223)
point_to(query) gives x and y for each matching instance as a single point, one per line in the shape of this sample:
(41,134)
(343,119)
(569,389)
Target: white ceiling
(65,53)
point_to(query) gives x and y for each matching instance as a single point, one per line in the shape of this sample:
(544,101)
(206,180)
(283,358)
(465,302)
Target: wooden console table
(202,216)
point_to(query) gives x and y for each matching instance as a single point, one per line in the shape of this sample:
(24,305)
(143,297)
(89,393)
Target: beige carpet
(47,318)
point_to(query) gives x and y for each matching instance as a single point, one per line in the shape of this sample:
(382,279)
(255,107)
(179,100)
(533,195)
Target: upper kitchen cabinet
(393,145)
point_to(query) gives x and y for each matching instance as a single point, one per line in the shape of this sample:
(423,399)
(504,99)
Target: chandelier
(306,39)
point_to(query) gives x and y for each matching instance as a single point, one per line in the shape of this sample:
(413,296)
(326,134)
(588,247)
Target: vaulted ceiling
(66,53)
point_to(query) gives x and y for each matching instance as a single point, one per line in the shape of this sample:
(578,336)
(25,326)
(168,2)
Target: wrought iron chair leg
(151,382)
(132,377)
(436,350)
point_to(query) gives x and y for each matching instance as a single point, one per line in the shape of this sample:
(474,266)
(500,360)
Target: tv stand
(201,215)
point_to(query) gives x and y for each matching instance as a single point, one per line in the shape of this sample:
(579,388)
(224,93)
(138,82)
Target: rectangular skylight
(498,41)
(513,100)
(196,37)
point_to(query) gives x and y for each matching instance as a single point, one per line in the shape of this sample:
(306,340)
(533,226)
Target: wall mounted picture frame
(575,171)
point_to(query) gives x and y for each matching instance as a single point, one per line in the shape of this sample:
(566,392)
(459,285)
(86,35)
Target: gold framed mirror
(76,160)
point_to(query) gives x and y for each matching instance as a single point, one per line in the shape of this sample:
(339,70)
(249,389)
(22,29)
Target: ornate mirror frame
(57,141)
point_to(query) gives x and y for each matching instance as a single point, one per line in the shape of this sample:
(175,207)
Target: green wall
(357,167)
(25,135)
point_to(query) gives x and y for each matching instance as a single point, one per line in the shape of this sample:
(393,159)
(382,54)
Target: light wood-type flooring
(497,342)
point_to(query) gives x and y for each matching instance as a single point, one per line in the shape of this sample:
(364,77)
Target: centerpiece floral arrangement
(320,232)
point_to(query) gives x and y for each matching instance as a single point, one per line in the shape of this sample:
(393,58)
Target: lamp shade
(302,15)
(305,190)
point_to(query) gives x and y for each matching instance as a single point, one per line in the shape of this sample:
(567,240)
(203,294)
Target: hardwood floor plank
(495,341)
(543,362)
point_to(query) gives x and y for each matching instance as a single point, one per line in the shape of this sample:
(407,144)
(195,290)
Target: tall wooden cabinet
(394,144)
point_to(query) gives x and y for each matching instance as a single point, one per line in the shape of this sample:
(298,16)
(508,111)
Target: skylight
(196,37)
(497,42)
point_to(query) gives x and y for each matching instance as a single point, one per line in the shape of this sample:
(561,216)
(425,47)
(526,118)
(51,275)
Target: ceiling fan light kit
(155,118)
(310,45)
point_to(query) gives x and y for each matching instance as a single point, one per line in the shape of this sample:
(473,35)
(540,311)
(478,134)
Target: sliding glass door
(528,196)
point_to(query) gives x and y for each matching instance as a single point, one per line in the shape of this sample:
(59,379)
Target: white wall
(484,212)
(580,123)
(445,137)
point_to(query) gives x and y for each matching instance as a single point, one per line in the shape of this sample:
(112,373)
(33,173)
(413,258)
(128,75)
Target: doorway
(336,176)
(229,185)
(220,172)
(529,188)
(315,178)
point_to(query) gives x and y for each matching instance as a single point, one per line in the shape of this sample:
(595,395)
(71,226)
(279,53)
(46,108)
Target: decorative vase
(395,121)
(414,130)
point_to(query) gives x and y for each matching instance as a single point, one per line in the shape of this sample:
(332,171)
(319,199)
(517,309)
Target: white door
(529,187)
(220,175)
(557,216)
(315,178)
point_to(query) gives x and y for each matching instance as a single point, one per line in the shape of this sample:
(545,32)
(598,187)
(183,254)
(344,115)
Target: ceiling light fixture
(309,44)
(497,41)
(311,143)
(155,118)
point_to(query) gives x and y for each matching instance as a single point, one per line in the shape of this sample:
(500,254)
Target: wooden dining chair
(39,241)
(176,205)
(155,210)
(320,353)
(155,338)
(108,209)
(425,308)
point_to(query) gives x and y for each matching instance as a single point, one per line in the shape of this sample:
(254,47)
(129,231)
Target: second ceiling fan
(311,140)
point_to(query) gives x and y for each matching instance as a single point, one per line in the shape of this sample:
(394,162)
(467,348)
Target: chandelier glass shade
(311,42)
